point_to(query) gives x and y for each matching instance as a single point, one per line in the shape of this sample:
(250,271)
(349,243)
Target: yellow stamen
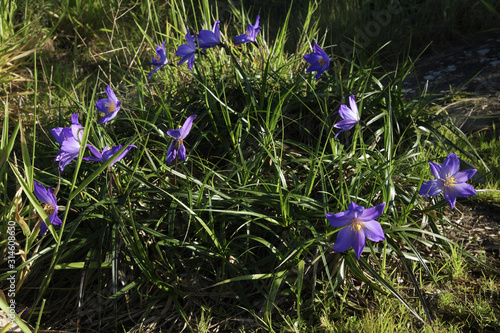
(49,209)
(110,107)
(357,224)
(450,181)
(322,62)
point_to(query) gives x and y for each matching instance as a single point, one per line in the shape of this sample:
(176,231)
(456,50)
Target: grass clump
(233,237)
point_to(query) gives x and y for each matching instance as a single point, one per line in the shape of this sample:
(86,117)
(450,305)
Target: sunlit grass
(235,237)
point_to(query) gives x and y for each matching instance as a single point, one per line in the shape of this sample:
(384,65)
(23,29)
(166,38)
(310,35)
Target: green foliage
(240,226)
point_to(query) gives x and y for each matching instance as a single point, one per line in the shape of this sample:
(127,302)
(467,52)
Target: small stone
(483,52)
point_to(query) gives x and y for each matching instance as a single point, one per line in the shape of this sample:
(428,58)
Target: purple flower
(251,34)
(109,106)
(176,148)
(359,224)
(187,51)
(161,61)
(47,197)
(107,153)
(208,39)
(449,181)
(69,138)
(350,116)
(319,61)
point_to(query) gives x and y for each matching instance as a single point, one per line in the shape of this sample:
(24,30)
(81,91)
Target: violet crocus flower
(449,180)
(251,34)
(319,61)
(359,224)
(209,38)
(69,138)
(160,61)
(187,51)
(48,199)
(176,148)
(107,153)
(109,106)
(350,116)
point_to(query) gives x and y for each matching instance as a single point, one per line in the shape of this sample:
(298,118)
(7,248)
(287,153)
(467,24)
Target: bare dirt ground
(470,68)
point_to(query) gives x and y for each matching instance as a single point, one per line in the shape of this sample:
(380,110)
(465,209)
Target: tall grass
(239,229)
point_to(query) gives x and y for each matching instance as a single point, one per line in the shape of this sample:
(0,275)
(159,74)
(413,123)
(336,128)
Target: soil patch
(470,70)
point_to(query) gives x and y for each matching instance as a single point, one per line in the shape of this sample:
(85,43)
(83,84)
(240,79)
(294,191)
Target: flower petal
(216,30)
(64,158)
(348,114)
(187,51)
(153,71)
(250,34)
(312,58)
(209,38)
(186,127)
(61,133)
(450,166)
(94,151)
(355,210)
(256,25)
(184,51)
(373,231)
(175,133)
(111,94)
(346,124)
(108,117)
(108,152)
(41,193)
(190,62)
(315,67)
(161,61)
(345,240)
(431,188)
(450,198)
(338,220)
(373,212)
(463,176)
(359,243)
(102,105)
(54,218)
(43,228)
(171,153)
(182,152)
(343,130)
(320,71)
(318,50)
(162,56)
(74,119)
(241,38)
(122,155)
(461,190)
(344,218)
(436,169)
(71,146)
(77,131)
(92,159)
(354,107)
